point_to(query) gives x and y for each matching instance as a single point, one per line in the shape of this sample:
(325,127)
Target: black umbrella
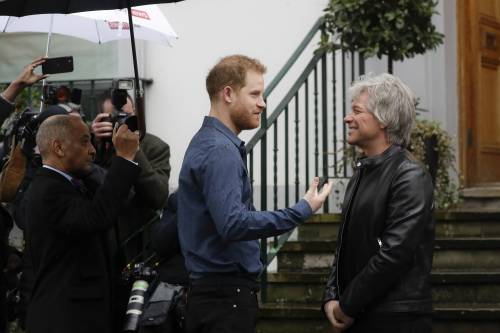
(31,7)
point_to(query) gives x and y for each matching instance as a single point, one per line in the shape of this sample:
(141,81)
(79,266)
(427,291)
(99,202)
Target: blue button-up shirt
(218,225)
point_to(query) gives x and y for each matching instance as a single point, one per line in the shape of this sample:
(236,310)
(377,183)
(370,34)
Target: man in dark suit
(66,228)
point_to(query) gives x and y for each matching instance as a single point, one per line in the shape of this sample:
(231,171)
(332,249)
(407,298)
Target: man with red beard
(219,229)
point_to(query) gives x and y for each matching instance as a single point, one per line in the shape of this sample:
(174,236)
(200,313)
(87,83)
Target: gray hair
(391,102)
(54,127)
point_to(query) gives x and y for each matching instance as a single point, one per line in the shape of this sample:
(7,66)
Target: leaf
(400,27)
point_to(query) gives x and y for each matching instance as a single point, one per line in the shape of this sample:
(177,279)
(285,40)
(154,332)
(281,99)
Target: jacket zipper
(339,245)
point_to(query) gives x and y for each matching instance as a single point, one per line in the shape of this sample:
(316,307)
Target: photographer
(67,221)
(148,195)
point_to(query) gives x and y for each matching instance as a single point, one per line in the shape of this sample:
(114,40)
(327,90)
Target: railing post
(344,113)
(306,134)
(287,171)
(334,114)
(263,204)
(361,64)
(316,149)
(275,165)
(297,177)
(324,117)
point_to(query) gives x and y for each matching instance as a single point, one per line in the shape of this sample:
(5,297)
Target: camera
(22,129)
(141,275)
(65,97)
(119,98)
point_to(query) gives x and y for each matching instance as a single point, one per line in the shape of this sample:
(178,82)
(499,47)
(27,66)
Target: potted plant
(398,29)
(433,146)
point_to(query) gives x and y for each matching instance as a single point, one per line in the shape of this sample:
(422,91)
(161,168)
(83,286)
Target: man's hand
(339,320)
(314,198)
(102,129)
(126,142)
(25,79)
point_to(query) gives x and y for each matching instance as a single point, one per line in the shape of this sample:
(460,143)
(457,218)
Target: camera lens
(135,305)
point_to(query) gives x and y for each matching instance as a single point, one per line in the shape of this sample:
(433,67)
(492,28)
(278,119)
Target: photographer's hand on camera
(101,128)
(25,79)
(126,143)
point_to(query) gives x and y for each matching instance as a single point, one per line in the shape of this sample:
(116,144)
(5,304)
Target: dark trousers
(392,324)
(220,305)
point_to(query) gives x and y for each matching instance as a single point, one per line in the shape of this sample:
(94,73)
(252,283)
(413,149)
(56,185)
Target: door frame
(468,76)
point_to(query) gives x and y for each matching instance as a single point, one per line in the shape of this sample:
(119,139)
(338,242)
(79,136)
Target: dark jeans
(222,305)
(392,324)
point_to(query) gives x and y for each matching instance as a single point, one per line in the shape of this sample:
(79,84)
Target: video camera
(119,98)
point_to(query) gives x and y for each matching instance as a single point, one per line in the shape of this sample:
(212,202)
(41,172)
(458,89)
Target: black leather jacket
(385,244)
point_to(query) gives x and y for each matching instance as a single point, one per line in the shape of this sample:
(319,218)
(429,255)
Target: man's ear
(58,148)
(228,94)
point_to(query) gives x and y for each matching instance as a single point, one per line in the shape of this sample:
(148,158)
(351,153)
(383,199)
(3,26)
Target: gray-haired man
(380,279)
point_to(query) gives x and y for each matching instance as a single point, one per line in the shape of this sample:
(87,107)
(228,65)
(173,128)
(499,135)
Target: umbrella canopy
(31,7)
(97,26)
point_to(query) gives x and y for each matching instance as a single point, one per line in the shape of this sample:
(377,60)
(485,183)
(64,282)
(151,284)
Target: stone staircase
(466,276)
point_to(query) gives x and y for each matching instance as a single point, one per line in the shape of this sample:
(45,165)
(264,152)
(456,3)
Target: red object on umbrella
(31,7)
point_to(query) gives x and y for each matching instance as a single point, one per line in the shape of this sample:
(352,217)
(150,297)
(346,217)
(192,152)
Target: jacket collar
(367,162)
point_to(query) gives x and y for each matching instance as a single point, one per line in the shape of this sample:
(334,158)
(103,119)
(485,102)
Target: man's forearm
(12,91)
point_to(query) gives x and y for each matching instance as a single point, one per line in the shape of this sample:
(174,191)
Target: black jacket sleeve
(154,159)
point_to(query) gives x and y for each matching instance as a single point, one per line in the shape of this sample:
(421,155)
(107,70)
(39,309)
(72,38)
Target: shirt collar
(62,173)
(218,125)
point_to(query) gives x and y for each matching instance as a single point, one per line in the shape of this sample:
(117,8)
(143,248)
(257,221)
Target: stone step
(448,224)
(486,198)
(448,318)
(447,287)
(462,254)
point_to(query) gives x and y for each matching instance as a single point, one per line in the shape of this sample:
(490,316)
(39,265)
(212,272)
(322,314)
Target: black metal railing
(304,135)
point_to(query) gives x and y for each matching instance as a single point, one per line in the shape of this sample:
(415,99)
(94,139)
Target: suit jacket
(66,241)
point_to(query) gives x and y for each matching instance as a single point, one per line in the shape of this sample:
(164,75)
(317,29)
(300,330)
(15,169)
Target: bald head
(64,143)
(53,128)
